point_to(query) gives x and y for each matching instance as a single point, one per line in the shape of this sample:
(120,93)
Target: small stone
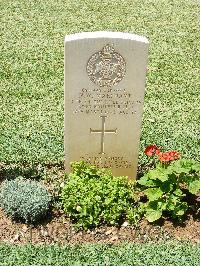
(16,238)
(78,208)
(62,184)
(125,224)
(44,233)
(25,228)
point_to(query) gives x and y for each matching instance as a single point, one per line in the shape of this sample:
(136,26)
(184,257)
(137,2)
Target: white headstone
(104,94)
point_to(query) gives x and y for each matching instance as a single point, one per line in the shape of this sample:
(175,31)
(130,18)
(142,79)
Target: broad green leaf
(170,206)
(194,187)
(153,215)
(187,179)
(153,193)
(158,174)
(180,166)
(142,207)
(196,166)
(180,209)
(145,181)
(186,166)
(174,198)
(178,192)
(173,201)
(167,186)
(162,205)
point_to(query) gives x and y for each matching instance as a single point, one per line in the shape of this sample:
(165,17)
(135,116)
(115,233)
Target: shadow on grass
(31,171)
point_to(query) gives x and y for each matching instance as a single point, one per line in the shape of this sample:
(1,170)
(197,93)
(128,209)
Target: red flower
(152,150)
(168,156)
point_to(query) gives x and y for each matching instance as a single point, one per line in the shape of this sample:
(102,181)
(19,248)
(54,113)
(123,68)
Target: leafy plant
(165,188)
(93,196)
(24,199)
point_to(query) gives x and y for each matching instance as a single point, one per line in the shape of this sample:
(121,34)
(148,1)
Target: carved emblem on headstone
(106,67)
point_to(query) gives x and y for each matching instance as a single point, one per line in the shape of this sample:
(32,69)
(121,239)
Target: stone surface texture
(104,94)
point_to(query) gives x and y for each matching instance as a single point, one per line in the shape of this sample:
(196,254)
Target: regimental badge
(106,67)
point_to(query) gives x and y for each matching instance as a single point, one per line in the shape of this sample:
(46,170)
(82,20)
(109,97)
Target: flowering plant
(152,150)
(166,187)
(164,157)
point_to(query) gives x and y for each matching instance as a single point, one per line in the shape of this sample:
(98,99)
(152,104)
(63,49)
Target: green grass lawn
(31,86)
(127,254)
(32,100)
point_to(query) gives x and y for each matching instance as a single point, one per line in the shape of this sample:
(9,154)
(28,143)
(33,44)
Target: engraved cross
(103,131)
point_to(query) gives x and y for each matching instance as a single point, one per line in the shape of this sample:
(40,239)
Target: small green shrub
(24,199)
(166,186)
(93,196)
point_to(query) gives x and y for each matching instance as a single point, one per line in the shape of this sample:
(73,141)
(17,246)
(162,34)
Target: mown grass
(31,86)
(126,254)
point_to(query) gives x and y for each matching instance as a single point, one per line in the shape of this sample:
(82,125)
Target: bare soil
(57,228)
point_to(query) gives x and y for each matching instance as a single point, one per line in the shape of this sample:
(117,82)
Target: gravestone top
(106,34)
(104,94)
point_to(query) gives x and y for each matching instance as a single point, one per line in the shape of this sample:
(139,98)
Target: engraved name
(107,161)
(105,102)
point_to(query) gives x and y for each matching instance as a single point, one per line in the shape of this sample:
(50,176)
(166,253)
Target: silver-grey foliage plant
(24,199)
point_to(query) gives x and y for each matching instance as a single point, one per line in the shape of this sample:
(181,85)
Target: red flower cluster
(167,156)
(152,150)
